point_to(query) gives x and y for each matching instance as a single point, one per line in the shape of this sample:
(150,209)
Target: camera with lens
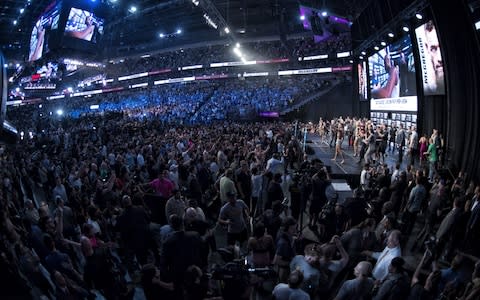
(238,271)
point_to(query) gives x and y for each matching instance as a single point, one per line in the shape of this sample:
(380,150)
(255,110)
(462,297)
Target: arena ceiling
(124,28)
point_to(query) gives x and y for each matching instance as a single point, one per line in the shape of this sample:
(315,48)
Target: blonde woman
(338,143)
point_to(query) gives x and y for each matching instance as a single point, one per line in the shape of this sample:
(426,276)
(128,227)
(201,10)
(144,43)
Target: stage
(350,170)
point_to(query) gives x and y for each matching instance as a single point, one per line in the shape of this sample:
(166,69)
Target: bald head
(394,239)
(363,269)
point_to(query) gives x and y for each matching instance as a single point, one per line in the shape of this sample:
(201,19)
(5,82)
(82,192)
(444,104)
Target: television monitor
(323,26)
(362,80)
(43,30)
(84,25)
(430,59)
(49,70)
(392,77)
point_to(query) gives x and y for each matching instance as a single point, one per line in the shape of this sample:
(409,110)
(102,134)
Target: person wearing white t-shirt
(392,250)
(365,177)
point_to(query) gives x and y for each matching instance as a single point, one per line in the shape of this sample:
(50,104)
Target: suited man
(473,224)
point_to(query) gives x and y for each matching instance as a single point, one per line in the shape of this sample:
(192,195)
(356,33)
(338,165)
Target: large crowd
(187,103)
(118,207)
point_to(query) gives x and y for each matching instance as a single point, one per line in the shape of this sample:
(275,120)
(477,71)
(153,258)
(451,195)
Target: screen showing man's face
(433,48)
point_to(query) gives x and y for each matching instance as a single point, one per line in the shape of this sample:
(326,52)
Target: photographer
(429,290)
(318,195)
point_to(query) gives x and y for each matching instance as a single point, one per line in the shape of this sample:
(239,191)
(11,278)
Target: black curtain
(461,56)
(337,102)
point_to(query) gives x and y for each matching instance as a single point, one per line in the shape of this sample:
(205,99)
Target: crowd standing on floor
(112,206)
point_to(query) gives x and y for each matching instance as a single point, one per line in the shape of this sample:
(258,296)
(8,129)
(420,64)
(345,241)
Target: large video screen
(84,25)
(48,22)
(362,80)
(323,26)
(430,59)
(392,77)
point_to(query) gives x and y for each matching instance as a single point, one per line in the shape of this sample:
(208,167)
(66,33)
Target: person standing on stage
(338,144)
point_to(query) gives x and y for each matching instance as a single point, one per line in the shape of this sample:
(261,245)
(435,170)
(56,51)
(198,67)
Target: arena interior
(218,149)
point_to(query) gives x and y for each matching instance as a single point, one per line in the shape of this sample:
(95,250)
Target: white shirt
(384,258)
(256,185)
(275,166)
(395,175)
(475,203)
(364,178)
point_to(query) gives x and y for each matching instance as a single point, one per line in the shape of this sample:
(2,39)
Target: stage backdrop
(461,51)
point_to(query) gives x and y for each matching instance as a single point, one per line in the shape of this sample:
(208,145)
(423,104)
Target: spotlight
(22,10)
(59,112)
(132,9)
(17,89)
(179,31)
(324,14)
(419,16)
(302,18)
(161,35)
(237,45)
(227,30)
(350,61)
(405,28)
(196,2)
(15,22)
(390,34)
(376,48)
(383,44)
(364,53)
(361,57)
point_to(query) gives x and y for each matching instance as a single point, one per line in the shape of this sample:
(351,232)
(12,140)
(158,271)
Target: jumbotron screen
(392,77)
(84,25)
(39,40)
(430,59)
